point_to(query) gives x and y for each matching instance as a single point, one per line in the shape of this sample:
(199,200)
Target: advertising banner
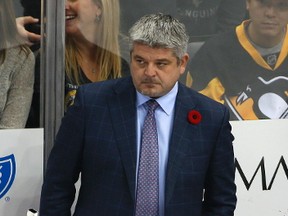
(261,152)
(21,170)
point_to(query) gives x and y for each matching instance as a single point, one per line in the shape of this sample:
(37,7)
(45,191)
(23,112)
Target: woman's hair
(9,36)
(107,48)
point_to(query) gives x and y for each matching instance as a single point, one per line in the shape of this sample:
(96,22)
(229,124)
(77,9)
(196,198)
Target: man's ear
(183,62)
(247,4)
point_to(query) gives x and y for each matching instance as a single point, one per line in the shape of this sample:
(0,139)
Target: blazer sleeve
(64,163)
(220,189)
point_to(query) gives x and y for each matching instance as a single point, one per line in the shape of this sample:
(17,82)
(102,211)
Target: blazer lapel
(122,107)
(178,148)
(123,113)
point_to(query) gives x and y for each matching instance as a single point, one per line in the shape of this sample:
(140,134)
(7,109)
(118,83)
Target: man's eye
(139,61)
(161,64)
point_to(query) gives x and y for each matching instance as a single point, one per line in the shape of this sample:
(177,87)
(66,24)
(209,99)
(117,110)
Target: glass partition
(84,41)
(90,44)
(32,52)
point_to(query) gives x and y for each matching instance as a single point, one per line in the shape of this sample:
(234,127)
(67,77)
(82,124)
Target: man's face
(269,17)
(155,70)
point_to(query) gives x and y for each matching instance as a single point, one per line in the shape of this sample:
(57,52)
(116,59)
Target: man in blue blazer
(100,137)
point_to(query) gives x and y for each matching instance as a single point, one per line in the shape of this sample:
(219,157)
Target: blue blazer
(97,137)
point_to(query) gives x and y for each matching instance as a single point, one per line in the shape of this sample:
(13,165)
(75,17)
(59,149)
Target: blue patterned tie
(147,203)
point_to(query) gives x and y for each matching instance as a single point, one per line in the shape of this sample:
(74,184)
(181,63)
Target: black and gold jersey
(229,69)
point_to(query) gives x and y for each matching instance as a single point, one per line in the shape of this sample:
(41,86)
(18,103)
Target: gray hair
(159,30)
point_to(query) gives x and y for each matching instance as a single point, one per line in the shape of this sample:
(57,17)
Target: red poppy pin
(194,117)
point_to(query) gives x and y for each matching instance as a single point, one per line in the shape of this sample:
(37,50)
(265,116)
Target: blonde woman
(16,72)
(92,48)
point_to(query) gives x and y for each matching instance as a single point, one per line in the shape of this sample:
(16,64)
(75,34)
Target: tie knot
(152,105)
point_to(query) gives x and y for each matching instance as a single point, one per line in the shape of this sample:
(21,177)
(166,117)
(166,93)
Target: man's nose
(271,10)
(150,70)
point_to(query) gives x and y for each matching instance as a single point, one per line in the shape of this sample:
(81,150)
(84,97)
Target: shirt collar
(166,102)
